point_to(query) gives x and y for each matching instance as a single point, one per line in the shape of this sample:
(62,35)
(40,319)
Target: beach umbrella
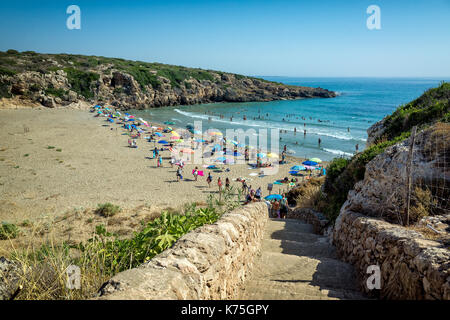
(169,122)
(229,161)
(197,132)
(221,159)
(293,172)
(309,163)
(272,155)
(315,160)
(215,133)
(187,150)
(310,167)
(297,167)
(175,138)
(217,147)
(274,197)
(163,142)
(200,140)
(176,134)
(261,155)
(159,134)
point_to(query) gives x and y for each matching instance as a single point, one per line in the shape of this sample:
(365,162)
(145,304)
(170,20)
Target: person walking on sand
(159,161)
(179,175)
(219,184)
(209,179)
(195,173)
(283,207)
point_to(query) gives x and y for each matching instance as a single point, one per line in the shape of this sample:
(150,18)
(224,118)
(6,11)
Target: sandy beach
(56,160)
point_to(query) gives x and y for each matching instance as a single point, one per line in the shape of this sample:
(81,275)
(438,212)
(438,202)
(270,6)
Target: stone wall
(210,262)
(411,266)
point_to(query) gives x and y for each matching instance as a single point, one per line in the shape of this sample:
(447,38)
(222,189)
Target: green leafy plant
(8,231)
(107,209)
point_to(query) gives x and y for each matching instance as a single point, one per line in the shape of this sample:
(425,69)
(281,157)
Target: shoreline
(93,165)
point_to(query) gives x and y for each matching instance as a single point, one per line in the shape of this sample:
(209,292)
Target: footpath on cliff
(296,264)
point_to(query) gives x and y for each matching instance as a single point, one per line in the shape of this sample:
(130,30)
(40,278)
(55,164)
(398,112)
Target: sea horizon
(344,120)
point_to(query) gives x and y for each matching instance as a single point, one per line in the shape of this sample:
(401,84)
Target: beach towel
(200,173)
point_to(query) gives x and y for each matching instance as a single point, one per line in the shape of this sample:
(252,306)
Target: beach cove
(56,160)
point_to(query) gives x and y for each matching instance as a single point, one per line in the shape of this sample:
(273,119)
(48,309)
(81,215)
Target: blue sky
(280,37)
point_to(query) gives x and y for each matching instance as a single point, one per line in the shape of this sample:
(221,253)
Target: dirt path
(297,264)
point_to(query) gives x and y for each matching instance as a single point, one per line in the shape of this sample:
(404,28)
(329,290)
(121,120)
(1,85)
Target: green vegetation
(157,236)
(55,92)
(82,70)
(8,231)
(107,209)
(105,254)
(342,174)
(80,81)
(431,107)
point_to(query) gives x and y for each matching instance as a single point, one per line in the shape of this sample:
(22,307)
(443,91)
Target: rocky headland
(54,80)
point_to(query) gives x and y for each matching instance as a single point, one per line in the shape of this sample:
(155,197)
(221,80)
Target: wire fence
(427,173)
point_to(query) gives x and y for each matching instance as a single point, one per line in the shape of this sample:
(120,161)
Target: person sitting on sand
(258,194)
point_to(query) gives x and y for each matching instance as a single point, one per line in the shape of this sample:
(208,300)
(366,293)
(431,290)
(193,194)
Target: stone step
(273,290)
(319,248)
(288,225)
(327,272)
(295,236)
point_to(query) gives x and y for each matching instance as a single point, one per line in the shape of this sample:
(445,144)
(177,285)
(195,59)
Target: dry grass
(308,195)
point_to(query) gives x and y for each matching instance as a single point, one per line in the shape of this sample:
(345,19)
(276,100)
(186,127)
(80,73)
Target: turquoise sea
(343,123)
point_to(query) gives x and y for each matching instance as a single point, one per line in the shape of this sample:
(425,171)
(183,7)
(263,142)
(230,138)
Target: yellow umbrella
(272,155)
(175,133)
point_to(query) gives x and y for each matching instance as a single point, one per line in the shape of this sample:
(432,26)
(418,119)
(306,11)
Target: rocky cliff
(58,80)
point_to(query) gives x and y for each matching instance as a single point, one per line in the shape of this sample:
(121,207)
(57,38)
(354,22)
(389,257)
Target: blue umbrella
(293,172)
(158,134)
(274,197)
(298,168)
(221,159)
(261,155)
(310,163)
(163,142)
(200,140)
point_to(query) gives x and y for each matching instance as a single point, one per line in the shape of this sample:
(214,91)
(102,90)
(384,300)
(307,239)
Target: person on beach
(244,186)
(209,179)
(319,142)
(179,174)
(172,162)
(219,184)
(258,194)
(304,133)
(227,183)
(283,207)
(195,173)
(276,209)
(357,147)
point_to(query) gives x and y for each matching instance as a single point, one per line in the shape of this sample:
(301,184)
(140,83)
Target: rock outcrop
(60,81)
(369,230)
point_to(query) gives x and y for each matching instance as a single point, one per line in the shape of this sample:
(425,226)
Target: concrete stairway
(297,264)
